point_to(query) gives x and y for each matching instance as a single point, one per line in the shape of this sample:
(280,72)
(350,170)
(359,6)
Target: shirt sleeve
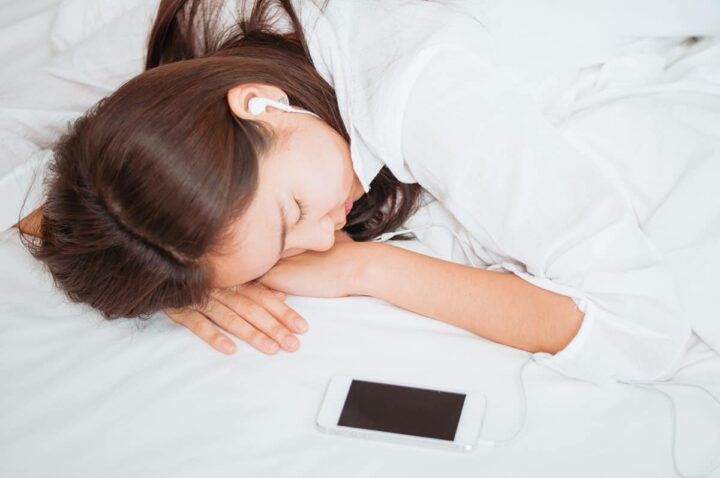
(35,108)
(478,142)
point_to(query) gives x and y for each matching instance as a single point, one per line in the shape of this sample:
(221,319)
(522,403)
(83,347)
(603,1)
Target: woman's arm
(31,223)
(548,210)
(496,305)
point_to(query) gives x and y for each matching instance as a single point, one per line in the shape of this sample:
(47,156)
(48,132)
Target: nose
(339,218)
(320,238)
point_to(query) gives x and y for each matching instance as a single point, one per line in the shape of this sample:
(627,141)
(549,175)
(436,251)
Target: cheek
(339,180)
(319,188)
(240,268)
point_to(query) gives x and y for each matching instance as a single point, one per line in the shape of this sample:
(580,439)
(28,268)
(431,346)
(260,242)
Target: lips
(348,206)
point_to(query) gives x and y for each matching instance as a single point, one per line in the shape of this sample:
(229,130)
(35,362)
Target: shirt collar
(328,53)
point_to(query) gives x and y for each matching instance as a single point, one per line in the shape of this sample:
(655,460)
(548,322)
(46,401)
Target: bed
(84,397)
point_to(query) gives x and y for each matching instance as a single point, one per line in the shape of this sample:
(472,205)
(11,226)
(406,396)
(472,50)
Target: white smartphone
(403,413)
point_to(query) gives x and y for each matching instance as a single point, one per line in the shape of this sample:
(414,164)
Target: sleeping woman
(250,162)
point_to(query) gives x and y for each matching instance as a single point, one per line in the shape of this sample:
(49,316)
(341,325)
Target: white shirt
(440,108)
(537,207)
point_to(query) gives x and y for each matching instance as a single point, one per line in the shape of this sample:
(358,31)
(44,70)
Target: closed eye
(303,214)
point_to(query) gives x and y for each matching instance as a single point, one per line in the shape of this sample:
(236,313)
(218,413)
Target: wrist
(365,260)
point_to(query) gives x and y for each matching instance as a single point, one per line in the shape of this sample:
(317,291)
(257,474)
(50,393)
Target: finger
(203,328)
(236,321)
(278,309)
(255,313)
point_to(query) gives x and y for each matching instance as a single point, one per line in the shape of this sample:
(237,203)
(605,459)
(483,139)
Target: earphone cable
(503,442)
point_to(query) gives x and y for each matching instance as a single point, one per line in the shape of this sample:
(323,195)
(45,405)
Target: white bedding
(83,397)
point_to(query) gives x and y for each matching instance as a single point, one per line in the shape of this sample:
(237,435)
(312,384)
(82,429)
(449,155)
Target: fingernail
(290,341)
(301,325)
(270,345)
(227,346)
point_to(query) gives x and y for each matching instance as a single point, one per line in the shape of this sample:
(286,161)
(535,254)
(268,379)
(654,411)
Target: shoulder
(371,52)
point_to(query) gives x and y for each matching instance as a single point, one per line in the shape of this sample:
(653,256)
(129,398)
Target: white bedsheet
(83,397)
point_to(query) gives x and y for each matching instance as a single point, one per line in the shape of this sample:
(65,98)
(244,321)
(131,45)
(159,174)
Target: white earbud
(258,104)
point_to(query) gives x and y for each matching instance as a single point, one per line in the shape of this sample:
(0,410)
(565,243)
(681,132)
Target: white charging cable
(523,412)
(674,419)
(384,237)
(483,441)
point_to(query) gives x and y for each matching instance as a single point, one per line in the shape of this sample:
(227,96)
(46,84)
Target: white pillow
(77,20)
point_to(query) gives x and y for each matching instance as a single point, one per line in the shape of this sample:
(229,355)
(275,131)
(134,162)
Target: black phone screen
(400,409)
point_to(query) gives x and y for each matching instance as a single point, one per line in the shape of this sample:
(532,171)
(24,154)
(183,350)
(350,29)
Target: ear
(239,96)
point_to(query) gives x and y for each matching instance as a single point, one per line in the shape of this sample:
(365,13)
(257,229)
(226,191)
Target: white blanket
(83,397)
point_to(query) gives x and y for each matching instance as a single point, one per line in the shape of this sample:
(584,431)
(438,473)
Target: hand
(330,273)
(252,312)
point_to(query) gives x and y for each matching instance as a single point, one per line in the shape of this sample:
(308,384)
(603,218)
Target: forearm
(496,305)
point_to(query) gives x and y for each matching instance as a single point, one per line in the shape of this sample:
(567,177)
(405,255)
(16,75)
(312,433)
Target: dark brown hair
(145,184)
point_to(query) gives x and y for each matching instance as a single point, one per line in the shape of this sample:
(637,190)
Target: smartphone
(403,413)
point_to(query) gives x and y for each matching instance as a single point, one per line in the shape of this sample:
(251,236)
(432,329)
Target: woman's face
(309,168)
